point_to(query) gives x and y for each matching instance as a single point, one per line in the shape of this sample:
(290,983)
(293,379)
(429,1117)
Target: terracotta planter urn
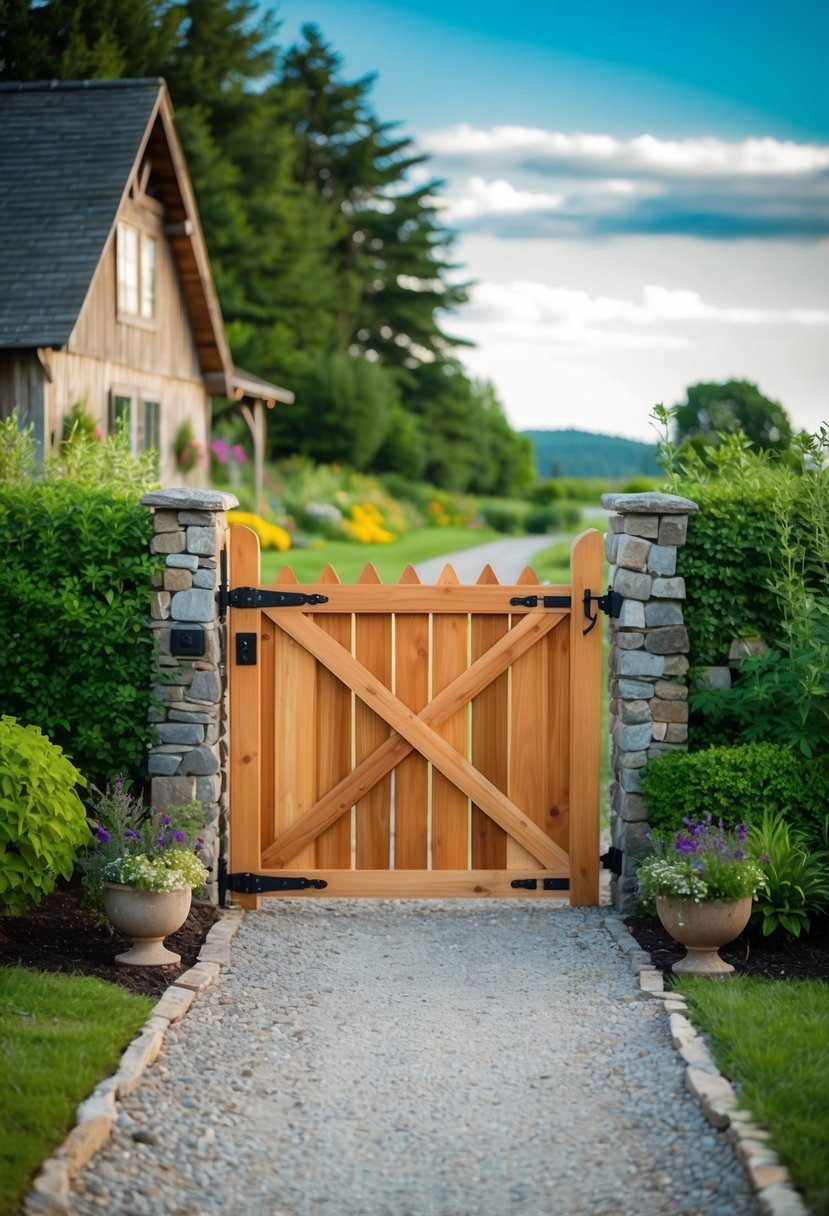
(702,928)
(147,917)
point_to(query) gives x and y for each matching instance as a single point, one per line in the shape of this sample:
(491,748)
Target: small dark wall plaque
(188,642)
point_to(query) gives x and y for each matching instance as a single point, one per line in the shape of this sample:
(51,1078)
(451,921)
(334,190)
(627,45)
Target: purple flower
(131,834)
(161,842)
(741,831)
(239,454)
(102,834)
(199,842)
(180,836)
(220,448)
(683,845)
(165,820)
(765,857)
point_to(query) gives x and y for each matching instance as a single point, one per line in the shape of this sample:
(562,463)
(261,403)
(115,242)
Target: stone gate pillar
(648,661)
(189,703)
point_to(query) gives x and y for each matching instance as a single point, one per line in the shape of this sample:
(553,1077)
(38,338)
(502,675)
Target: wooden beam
(419,884)
(383,759)
(442,755)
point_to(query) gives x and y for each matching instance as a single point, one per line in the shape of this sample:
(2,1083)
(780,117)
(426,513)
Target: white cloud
(516,182)
(525,312)
(643,154)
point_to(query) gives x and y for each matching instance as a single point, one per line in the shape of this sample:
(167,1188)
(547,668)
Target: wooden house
(106,294)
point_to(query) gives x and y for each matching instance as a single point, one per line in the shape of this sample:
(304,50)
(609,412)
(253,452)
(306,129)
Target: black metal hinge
(247,883)
(255,597)
(547,884)
(612,860)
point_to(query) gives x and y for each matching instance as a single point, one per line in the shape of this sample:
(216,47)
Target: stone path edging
(96,1115)
(766,1174)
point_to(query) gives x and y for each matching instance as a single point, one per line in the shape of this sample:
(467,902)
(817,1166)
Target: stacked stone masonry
(188,707)
(648,661)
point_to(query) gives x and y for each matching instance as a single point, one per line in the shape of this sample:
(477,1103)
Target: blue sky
(641,191)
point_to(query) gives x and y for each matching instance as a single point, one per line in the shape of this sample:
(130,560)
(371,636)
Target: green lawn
(59,1036)
(348,558)
(773,1039)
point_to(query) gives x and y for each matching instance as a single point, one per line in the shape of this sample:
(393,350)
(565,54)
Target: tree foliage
(321,221)
(714,410)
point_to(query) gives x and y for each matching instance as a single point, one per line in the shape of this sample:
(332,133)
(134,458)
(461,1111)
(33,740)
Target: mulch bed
(804,958)
(60,934)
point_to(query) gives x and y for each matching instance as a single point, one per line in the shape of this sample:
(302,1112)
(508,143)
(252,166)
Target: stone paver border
(766,1174)
(96,1115)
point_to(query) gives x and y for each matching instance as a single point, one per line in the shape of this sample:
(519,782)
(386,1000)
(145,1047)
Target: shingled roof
(67,154)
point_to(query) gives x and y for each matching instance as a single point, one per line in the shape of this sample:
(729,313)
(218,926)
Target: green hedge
(736,784)
(75,652)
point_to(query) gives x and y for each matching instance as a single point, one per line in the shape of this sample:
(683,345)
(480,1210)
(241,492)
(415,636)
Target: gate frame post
(648,662)
(188,706)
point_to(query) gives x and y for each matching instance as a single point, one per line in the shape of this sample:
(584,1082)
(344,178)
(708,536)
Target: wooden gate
(414,741)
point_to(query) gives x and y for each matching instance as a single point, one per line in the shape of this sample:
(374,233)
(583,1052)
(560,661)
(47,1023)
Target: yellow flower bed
(366,525)
(271,536)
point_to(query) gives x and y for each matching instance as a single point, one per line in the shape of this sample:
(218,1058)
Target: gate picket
(372,648)
(450,807)
(333,725)
(340,698)
(411,778)
(490,736)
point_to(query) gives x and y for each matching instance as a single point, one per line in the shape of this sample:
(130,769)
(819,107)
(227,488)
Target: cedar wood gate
(414,740)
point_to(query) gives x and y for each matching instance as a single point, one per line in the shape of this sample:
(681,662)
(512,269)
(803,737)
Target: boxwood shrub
(736,784)
(75,652)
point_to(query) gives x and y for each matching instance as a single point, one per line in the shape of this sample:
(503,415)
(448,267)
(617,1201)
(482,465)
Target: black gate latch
(610,603)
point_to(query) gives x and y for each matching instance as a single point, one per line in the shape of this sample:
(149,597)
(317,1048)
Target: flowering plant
(141,847)
(705,862)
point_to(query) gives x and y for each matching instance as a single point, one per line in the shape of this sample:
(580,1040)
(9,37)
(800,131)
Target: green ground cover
(773,1040)
(59,1036)
(348,559)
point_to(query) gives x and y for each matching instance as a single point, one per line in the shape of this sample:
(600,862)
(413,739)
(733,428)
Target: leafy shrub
(778,695)
(42,819)
(545,492)
(17,450)
(554,518)
(735,784)
(503,517)
(75,653)
(796,885)
(758,549)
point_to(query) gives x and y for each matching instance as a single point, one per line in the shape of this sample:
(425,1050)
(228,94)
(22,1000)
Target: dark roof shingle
(66,153)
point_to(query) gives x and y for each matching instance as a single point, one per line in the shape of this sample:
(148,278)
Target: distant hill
(581,454)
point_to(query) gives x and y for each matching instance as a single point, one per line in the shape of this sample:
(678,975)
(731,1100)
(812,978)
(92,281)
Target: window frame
(144,266)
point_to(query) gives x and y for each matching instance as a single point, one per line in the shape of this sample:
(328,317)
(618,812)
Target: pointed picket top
(528,577)
(369,574)
(448,577)
(409,575)
(286,575)
(488,577)
(329,575)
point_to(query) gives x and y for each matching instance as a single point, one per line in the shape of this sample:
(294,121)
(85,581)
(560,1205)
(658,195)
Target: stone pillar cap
(185,498)
(648,504)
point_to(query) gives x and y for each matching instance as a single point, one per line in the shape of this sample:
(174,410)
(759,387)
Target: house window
(135,256)
(151,434)
(120,414)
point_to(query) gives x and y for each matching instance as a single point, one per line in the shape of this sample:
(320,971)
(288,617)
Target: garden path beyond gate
(413,740)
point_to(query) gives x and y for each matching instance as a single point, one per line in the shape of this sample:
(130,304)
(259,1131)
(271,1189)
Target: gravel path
(417,1059)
